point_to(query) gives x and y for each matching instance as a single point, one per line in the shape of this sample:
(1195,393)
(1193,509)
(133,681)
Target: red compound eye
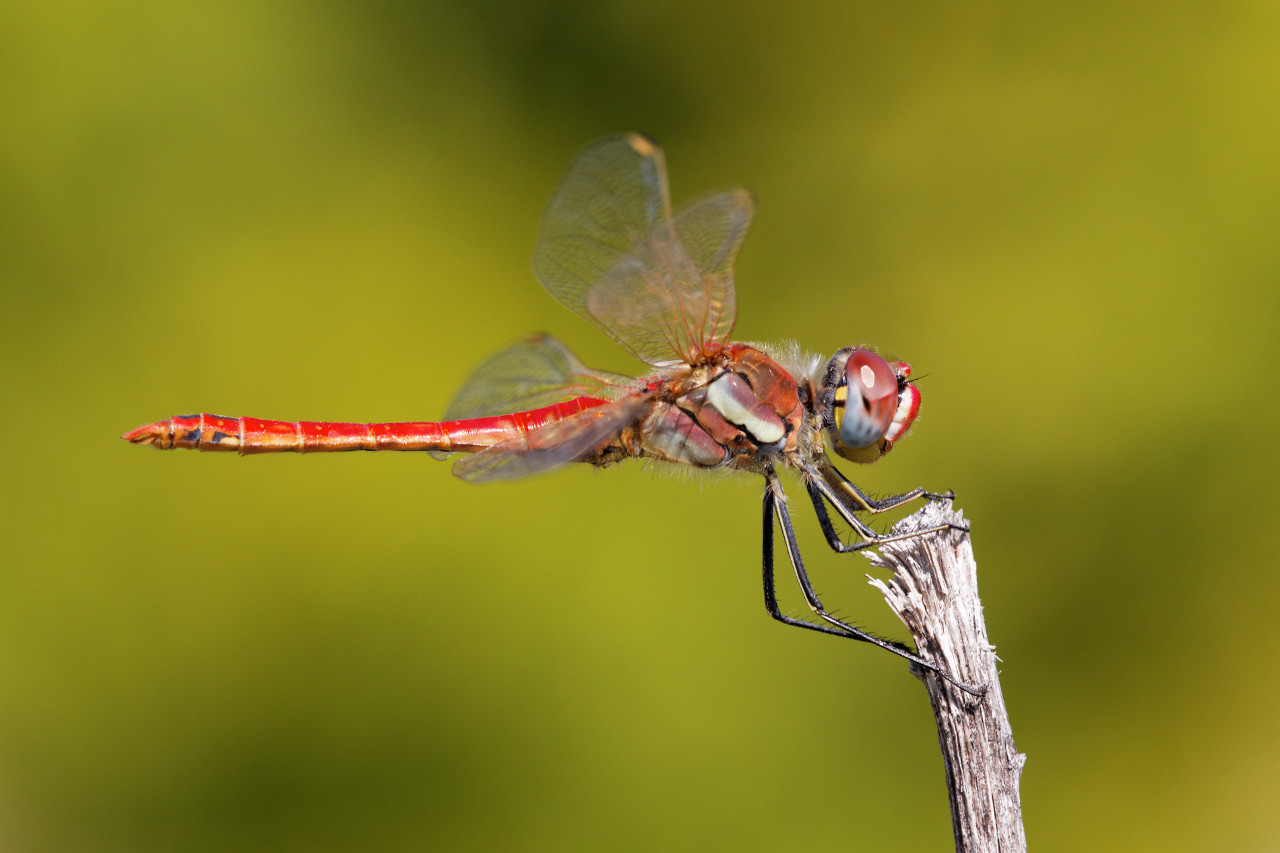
(871,398)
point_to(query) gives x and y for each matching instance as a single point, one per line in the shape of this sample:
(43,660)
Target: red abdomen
(254,435)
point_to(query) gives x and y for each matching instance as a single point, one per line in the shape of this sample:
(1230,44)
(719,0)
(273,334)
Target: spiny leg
(775,506)
(838,481)
(819,489)
(770,590)
(829,530)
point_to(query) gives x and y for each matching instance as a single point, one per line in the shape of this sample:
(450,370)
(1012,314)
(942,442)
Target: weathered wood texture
(935,592)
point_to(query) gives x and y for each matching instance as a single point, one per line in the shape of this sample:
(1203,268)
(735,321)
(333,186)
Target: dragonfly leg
(840,482)
(869,536)
(820,489)
(775,508)
(771,502)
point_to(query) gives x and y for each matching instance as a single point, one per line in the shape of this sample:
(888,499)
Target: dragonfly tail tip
(146,434)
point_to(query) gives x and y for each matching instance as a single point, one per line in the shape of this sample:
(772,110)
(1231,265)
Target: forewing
(611,252)
(571,440)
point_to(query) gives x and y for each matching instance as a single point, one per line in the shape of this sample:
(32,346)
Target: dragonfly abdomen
(256,435)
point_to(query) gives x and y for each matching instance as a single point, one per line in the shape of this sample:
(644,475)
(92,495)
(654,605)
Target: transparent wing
(536,372)
(533,373)
(571,440)
(612,252)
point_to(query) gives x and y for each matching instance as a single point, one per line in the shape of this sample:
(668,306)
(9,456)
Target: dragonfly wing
(533,373)
(571,440)
(536,372)
(612,252)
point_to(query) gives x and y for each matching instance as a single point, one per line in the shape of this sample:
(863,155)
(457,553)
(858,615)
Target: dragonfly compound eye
(865,405)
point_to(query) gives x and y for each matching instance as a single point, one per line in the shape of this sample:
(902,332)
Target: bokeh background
(1067,216)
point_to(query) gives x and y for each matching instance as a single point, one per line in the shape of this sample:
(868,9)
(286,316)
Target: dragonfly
(661,284)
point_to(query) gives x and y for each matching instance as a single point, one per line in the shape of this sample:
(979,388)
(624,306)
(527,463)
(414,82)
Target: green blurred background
(1065,215)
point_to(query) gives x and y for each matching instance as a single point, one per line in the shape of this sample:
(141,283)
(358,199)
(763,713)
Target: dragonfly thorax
(739,411)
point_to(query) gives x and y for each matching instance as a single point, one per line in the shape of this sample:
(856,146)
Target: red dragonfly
(661,285)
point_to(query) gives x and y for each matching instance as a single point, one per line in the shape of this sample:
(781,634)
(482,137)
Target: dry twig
(935,592)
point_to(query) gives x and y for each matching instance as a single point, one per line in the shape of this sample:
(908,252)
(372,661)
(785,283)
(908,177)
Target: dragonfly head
(867,403)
